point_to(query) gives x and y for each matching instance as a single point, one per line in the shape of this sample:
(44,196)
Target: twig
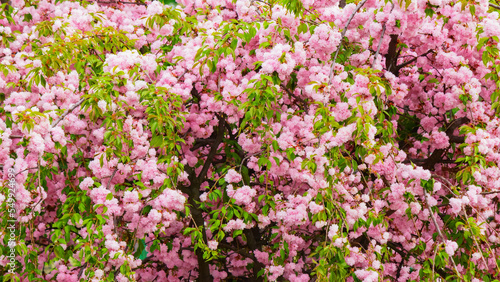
(67,112)
(475,241)
(111,178)
(413,60)
(490,192)
(438,229)
(380,41)
(295,97)
(342,38)
(119,2)
(82,268)
(443,180)
(35,167)
(115,223)
(495,6)
(379,45)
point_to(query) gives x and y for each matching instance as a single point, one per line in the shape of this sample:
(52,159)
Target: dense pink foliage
(357,170)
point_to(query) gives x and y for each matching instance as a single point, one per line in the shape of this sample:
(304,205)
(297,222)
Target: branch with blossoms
(358,7)
(122,2)
(212,141)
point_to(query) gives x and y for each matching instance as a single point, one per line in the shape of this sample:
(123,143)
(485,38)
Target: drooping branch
(431,213)
(111,178)
(379,45)
(342,38)
(67,112)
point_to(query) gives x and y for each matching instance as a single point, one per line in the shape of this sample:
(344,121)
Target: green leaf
(109,196)
(234,44)
(59,251)
(157,141)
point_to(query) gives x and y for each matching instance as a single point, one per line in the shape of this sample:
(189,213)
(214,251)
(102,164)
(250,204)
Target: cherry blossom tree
(250,140)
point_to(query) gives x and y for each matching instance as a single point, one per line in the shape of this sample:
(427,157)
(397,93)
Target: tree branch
(342,38)
(193,191)
(490,192)
(67,112)
(213,149)
(120,2)
(495,6)
(306,108)
(437,155)
(412,60)
(111,178)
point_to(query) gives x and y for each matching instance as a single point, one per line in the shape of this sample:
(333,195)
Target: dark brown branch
(201,142)
(82,268)
(42,241)
(490,192)
(456,124)
(495,6)
(422,161)
(193,191)
(213,149)
(342,38)
(227,125)
(437,155)
(400,266)
(391,57)
(241,252)
(252,243)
